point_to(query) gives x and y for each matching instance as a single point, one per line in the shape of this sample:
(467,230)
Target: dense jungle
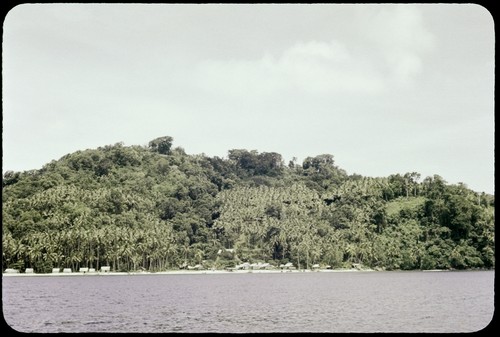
(157,208)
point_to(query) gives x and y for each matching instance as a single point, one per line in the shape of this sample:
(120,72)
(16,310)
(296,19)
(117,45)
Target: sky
(385,89)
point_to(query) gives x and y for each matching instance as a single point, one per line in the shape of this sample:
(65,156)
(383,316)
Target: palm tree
(198,254)
(186,249)
(172,251)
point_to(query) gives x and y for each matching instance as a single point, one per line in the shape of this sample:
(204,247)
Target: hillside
(157,208)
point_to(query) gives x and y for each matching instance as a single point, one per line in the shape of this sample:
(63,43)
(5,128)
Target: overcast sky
(385,89)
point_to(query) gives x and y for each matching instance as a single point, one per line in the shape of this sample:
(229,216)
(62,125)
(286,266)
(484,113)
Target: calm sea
(252,302)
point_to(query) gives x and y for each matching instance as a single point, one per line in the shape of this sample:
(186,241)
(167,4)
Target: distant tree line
(157,208)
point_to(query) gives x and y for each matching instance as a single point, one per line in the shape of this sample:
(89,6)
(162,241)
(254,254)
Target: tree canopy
(157,208)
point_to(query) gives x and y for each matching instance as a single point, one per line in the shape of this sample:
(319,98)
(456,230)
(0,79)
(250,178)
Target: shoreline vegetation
(185,272)
(287,269)
(155,208)
(202,272)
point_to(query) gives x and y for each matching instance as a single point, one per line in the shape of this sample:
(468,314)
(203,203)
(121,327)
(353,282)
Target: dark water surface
(253,302)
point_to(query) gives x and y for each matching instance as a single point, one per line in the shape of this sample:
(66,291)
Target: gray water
(243,303)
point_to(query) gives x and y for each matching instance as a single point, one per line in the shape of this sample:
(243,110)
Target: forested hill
(157,208)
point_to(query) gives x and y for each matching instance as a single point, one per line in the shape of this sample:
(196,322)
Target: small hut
(196,267)
(287,266)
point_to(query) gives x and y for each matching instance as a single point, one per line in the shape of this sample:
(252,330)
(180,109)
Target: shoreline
(216,272)
(189,272)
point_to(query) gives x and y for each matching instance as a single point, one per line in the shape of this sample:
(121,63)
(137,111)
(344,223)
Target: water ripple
(248,303)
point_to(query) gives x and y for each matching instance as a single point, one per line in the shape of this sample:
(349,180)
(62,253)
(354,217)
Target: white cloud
(398,33)
(317,51)
(395,38)
(313,67)
(400,27)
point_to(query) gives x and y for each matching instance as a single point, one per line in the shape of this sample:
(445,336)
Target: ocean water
(413,301)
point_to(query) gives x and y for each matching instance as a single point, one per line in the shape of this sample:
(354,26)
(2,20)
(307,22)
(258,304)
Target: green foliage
(322,172)
(156,208)
(405,206)
(161,145)
(251,163)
